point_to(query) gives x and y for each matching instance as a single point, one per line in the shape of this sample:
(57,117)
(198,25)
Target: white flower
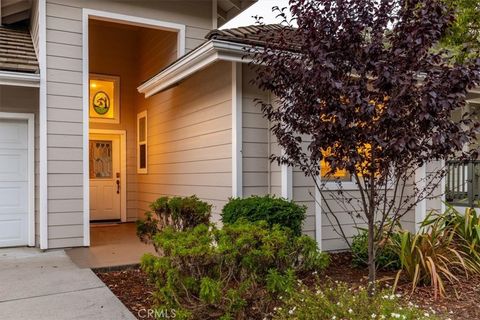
(350,311)
(334,317)
(426,314)
(395,315)
(373,316)
(291,311)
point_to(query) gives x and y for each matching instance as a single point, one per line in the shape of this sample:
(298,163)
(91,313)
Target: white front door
(14,194)
(105,195)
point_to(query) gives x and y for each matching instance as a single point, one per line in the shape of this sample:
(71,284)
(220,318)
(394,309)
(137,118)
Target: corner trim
(43,151)
(420,207)
(318,214)
(237,140)
(286,177)
(86,131)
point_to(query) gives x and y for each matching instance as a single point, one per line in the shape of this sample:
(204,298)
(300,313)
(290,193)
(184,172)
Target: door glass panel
(100,159)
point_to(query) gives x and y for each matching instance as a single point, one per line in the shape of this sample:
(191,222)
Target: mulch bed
(462,301)
(131,287)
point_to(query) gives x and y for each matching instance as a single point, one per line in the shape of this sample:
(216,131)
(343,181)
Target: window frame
(142,115)
(116,98)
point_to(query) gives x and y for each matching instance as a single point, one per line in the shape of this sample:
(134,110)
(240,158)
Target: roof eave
(202,57)
(19,79)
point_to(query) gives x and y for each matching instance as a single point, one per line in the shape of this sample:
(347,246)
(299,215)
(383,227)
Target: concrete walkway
(36,285)
(110,246)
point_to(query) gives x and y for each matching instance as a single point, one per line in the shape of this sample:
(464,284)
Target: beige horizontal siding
(255,136)
(189,140)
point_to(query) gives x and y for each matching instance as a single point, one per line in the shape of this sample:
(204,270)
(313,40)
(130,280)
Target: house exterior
(107,105)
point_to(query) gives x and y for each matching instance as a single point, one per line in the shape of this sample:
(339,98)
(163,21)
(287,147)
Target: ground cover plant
(340,301)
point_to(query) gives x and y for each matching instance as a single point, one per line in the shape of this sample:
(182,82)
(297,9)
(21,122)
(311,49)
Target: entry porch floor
(111,245)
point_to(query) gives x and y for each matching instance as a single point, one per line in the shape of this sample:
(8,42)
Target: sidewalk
(36,285)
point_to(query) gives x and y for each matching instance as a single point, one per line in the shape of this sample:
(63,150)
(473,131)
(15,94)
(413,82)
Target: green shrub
(386,258)
(235,272)
(270,209)
(180,213)
(341,302)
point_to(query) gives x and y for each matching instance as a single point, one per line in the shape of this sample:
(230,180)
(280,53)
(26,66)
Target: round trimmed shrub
(267,208)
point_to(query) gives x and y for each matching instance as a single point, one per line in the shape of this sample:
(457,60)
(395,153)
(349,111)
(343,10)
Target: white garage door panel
(13,231)
(14,195)
(13,134)
(13,165)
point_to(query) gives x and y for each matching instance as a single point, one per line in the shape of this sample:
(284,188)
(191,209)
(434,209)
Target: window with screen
(142,160)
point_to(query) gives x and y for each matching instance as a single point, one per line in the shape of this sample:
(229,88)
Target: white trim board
(20,79)
(202,57)
(124,19)
(318,214)
(43,165)
(142,22)
(421,206)
(287,178)
(30,118)
(237,128)
(140,115)
(123,167)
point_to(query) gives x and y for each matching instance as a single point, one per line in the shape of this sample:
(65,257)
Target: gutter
(20,79)
(198,59)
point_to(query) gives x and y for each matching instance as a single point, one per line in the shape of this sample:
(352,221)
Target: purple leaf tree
(360,89)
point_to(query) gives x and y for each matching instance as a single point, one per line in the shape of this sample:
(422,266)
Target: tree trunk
(371,258)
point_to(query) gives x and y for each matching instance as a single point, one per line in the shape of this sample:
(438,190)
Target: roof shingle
(251,35)
(17,53)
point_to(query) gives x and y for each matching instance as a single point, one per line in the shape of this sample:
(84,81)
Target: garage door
(13,183)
